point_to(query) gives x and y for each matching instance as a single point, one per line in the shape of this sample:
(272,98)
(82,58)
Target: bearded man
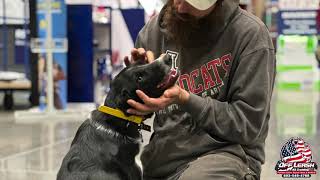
(213,123)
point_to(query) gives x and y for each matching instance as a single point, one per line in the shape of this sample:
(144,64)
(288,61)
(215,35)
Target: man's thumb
(170,93)
(167,93)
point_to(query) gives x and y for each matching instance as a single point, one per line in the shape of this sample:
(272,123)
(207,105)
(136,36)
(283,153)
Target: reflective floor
(33,150)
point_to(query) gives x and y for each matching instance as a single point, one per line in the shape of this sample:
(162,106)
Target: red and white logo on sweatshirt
(207,79)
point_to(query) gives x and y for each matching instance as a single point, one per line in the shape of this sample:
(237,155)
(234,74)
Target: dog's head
(153,79)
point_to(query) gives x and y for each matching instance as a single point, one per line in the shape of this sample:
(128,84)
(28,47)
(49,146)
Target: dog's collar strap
(118,113)
(112,132)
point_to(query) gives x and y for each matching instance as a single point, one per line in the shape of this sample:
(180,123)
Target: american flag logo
(296,150)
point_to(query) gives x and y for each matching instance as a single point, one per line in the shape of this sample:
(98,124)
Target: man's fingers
(142,52)
(153,103)
(138,106)
(149,104)
(126,61)
(137,54)
(134,52)
(150,56)
(135,112)
(146,99)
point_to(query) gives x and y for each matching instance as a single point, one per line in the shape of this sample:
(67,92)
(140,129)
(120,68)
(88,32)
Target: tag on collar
(145,127)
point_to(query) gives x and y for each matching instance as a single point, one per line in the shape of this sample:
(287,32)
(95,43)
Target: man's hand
(138,54)
(173,95)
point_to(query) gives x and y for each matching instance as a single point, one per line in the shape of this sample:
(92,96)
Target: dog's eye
(139,78)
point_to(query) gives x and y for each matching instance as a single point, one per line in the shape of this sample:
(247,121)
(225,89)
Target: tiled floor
(34,150)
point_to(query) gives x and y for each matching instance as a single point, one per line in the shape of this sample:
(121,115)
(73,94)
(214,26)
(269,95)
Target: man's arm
(242,119)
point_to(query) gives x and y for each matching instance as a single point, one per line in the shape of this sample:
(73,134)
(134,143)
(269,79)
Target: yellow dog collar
(118,113)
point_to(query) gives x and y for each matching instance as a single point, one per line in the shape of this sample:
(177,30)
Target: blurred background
(57,58)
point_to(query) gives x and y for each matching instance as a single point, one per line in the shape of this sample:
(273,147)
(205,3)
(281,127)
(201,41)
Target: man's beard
(184,29)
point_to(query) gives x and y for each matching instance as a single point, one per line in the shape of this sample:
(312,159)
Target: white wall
(13,9)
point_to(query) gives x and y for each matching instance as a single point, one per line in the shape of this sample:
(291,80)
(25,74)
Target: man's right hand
(138,54)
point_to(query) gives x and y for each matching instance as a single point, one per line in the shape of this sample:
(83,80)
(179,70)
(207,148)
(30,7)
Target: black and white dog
(105,146)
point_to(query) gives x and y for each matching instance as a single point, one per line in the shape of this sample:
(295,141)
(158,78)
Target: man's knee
(217,166)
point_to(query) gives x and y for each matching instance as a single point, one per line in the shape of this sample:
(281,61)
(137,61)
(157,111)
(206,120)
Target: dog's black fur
(104,147)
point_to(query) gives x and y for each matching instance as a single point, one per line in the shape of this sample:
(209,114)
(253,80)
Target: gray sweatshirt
(230,79)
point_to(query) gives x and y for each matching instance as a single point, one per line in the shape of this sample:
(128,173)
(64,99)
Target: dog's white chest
(137,158)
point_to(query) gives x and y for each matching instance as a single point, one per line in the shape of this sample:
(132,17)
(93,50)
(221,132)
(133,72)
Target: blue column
(80,54)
